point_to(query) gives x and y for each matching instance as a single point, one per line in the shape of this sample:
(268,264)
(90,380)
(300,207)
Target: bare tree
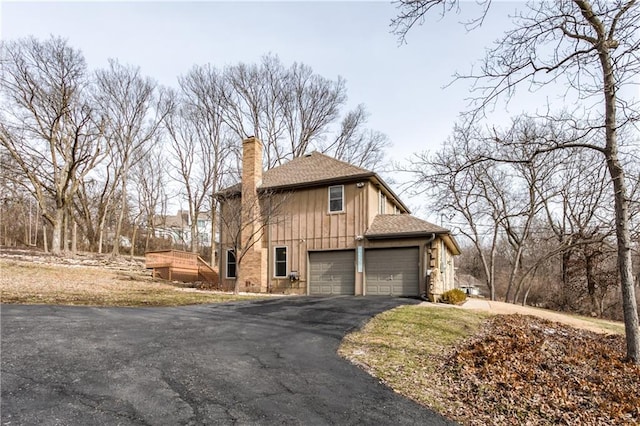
(202,91)
(466,191)
(198,143)
(592,47)
(293,110)
(310,103)
(356,144)
(130,105)
(243,220)
(48,125)
(497,201)
(150,177)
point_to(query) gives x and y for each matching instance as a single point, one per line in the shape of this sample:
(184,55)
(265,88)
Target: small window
(382,208)
(336,198)
(231,264)
(280,262)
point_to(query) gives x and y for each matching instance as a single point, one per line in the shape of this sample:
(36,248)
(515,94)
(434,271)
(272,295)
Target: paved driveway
(265,362)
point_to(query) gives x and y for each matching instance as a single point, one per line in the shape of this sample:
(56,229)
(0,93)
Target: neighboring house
(327,227)
(178,228)
(469,284)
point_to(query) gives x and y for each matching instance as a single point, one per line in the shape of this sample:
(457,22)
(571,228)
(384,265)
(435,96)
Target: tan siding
(371,203)
(304,223)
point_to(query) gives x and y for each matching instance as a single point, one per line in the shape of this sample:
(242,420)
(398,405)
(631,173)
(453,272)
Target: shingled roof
(407,226)
(310,170)
(394,225)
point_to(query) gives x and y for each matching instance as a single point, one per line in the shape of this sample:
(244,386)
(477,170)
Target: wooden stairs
(176,265)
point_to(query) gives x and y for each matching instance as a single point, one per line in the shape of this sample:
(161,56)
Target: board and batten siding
(305,224)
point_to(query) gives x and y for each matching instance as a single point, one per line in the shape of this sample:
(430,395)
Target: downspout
(269,248)
(427,280)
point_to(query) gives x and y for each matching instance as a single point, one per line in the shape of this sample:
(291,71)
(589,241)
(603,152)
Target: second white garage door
(332,272)
(392,272)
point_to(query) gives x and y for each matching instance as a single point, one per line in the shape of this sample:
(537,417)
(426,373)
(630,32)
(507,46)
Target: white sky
(401,86)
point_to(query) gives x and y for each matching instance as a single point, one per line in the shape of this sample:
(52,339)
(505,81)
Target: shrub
(454,297)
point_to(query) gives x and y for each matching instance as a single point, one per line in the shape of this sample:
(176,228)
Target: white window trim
(382,202)
(329,199)
(275,262)
(226,264)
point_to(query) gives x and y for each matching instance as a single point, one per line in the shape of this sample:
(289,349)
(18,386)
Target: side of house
(320,226)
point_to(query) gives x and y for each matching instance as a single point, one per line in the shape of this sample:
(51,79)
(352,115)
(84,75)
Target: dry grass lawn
(38,283)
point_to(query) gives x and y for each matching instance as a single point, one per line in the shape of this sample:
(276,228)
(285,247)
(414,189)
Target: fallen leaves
(524,369)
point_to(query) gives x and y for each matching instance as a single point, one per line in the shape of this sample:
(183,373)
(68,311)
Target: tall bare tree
(199,143)
(150,177)
(591,46)
(48,125)
(129,102)
(356,144)
(294,110)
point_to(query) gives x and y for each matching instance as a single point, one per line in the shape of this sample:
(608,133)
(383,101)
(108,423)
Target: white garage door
(332,272)
(392,272)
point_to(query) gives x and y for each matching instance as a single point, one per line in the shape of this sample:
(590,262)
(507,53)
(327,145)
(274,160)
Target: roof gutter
(432,235)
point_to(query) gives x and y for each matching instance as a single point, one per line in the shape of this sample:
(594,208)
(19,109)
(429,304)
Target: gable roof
(311,168)
(406,226)
(314,169)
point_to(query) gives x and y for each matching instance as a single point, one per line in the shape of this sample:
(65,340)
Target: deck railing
(169,258)
(166,262)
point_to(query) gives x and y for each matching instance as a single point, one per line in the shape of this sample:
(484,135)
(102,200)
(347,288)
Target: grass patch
(405,346)
(31,283)
(613,327)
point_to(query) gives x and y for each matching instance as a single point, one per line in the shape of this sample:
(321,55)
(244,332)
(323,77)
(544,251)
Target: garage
(332,272)
(392,272)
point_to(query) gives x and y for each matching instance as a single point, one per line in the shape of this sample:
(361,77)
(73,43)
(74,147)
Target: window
(336,198)
(280,262)
(382,203)
(231,264)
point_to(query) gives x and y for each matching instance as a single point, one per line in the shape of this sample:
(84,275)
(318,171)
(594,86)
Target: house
(320,226)
(178,228)
(469,284)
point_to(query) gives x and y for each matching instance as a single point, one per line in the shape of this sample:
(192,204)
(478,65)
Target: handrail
(180,260)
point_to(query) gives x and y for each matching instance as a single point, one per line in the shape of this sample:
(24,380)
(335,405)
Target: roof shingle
(401,224)
(314,167)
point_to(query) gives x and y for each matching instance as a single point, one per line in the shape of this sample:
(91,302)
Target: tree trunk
(621,202)
(133,240)
(44,238)
(74,238)
(56,239)
(116,238)
(194,236)
(591,280)
(214,213)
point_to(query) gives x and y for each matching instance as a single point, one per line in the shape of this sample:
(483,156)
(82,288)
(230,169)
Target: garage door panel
(332,272)
(392,271)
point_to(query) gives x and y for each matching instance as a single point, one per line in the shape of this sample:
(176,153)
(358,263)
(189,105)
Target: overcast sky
(402,86)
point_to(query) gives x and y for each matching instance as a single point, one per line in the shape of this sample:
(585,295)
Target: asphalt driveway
(264,362)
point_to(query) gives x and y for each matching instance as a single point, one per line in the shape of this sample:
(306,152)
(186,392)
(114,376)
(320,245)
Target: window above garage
(336,199)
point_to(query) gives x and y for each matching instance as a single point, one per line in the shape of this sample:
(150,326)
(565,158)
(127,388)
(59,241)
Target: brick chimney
(253,268)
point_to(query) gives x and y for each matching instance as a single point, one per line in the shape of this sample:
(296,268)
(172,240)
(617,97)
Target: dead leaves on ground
(526,370)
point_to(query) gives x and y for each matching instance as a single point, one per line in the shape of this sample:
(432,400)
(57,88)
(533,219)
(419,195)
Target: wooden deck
(176,265)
